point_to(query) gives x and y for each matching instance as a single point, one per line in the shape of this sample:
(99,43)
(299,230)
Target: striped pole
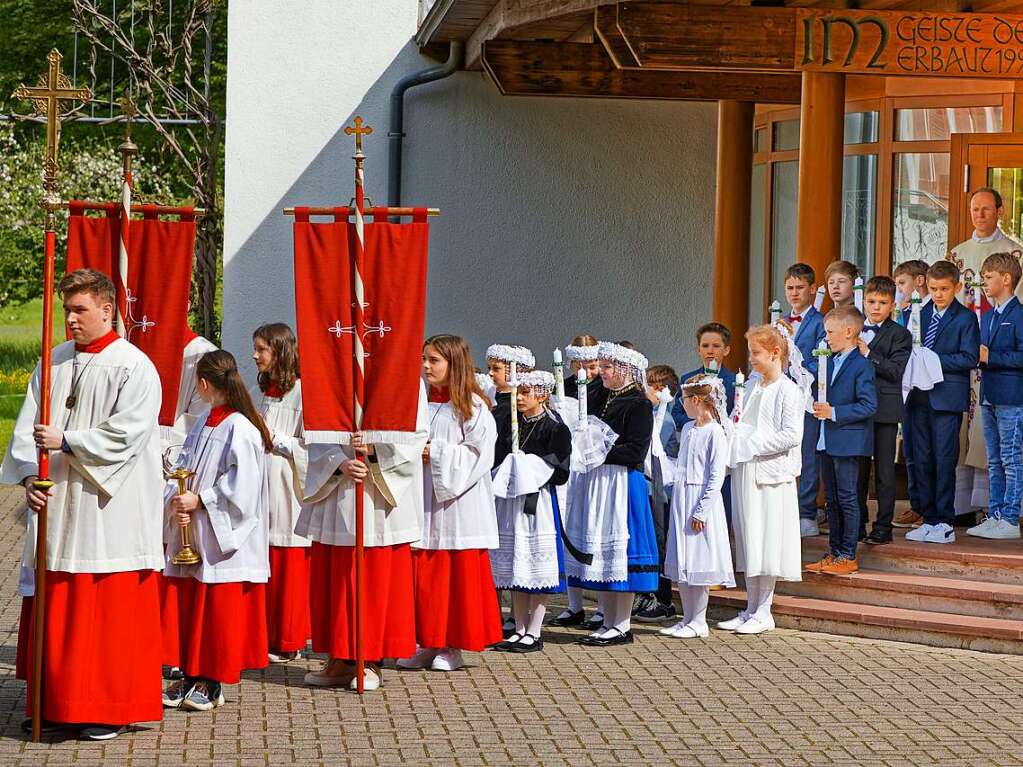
(359,131)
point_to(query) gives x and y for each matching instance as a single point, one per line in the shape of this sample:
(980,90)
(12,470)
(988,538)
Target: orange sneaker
(841,566)
(816,567)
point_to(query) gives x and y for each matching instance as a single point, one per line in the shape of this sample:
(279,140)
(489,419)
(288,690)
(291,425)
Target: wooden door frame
(966,174)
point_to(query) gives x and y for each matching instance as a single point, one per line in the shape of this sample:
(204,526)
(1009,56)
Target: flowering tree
(90,169)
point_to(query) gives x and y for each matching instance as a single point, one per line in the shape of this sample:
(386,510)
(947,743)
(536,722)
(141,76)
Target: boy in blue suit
(1001,396)
(846,436)
(950,330)
(713,344)
(808,325)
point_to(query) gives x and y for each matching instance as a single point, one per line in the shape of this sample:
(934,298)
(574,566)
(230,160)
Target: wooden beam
(681,36)
(577,69)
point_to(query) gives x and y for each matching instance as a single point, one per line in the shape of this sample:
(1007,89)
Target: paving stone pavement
(786,698)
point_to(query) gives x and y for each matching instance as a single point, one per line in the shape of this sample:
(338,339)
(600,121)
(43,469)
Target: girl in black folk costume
(530,559)
(582,353)
(610,517)
(499,359)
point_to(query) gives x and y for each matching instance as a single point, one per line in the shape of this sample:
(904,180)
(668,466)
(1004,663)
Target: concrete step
(937,629)
(914,592)
(969,558)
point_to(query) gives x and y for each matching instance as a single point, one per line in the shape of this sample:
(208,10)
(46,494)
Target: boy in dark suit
(950,330)
(713,344)
(887,346)
(1001,396)
(846,436)
(808,325)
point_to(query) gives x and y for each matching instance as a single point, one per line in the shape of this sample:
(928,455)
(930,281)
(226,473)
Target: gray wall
(559,216)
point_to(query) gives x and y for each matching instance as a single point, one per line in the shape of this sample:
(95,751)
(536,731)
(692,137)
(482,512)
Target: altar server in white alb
(390,479)
(697,554)
(765,461)
(221,601)
(530,558)
(609,518)
(278,399)
(456,603)
(101,654)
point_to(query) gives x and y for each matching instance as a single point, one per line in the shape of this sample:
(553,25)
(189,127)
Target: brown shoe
(816,567)
(335,673)
(841,566)
(907,518)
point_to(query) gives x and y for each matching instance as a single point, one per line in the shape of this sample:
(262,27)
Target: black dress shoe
(593,624)
(521,648)
(877,539)
(48,726)
(508,644)
(572,619)
(611,641)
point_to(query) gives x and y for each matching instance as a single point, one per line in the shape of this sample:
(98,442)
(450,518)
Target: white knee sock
(752,594)
(687,604)
(618,614)
(575,599)
(695,606)
(537,611)
(765,596)
(520,611)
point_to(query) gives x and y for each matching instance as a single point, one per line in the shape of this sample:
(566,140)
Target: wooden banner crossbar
(375,212)
(143,209)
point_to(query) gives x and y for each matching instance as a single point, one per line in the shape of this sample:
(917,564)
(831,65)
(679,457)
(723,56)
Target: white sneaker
(734,623)
(424,657)
(448,660)
(995,528)
(671,630)
(756,626)
(370,679)
(919,534)
(688,632)
(808,528)
(940,533)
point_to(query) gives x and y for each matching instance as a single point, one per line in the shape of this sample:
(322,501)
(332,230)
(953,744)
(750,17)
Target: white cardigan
(772,441)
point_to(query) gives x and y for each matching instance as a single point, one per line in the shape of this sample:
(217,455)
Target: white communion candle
(775,312)
(822,352)
(740,391)
(914,319)
(858,294)
(818,300)
(580,392)
(514,407)
(559,375)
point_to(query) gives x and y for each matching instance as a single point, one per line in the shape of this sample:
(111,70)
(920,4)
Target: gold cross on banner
(49,98)
(358,131)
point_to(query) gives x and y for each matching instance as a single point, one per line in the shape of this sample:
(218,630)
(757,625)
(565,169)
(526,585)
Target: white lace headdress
(520,355)
(632,363)
(718,397)
(539,381)
(581,353)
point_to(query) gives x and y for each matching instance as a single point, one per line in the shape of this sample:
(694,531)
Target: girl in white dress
(278,398)
(697,555)
(765,461)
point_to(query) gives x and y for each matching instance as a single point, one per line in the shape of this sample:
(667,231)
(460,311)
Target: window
(861,127)
(939,123)
(783,225)
(920,207)
(760,140)
(859,210)
(786,136)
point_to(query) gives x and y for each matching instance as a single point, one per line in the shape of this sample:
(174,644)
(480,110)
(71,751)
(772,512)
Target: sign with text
(910,43)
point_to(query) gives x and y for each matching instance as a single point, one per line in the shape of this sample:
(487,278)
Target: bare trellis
(164,49)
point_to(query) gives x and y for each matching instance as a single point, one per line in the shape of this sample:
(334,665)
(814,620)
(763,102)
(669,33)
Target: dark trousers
(935,440)
(907,459)
(841,475)
(662,518)
(885,435)
(809,477)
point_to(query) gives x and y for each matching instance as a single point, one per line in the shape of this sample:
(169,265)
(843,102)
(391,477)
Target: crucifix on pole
(48,98)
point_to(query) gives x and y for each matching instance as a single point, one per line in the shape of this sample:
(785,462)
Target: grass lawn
(20,330)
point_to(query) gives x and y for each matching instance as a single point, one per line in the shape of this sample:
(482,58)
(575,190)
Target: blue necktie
(932,331)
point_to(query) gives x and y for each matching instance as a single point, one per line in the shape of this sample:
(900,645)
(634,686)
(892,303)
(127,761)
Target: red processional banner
(159,277)
(394,275)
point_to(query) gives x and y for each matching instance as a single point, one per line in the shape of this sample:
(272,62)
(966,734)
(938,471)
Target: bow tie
(874,328)
(794,318)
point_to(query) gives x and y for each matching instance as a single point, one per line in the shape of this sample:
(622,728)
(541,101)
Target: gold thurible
(186,554)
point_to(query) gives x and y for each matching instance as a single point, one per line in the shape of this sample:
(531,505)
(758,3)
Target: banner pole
(48,98)
(359,369)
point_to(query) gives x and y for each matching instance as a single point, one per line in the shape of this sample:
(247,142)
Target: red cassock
(288,598)
(101,648)
(456,603)
(220,628)
(388,613)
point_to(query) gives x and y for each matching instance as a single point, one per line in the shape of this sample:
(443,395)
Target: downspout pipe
(396,134)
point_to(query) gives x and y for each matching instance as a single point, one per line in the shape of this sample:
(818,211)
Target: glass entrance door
(986,159)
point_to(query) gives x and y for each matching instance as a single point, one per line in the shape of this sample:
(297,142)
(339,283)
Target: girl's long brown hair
(461,372)
(219,369)
(284,370)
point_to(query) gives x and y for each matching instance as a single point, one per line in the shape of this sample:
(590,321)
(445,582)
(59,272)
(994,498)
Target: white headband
(537,379)
(617,353)
(517,354)
(581,353)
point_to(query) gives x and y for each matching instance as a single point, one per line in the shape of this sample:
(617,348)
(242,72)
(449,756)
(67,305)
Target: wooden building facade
(843,132)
